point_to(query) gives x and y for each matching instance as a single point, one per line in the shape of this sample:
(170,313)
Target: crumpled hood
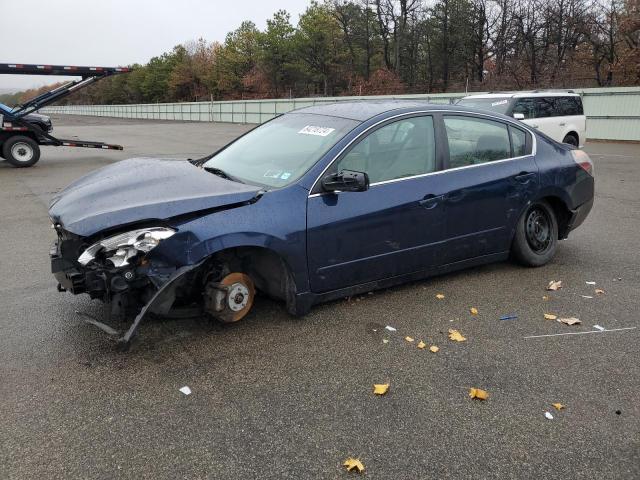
(142,189)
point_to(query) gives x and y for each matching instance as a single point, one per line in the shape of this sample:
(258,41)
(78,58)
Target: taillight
(583,160)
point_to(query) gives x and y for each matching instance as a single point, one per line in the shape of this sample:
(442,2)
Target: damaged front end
(121,271)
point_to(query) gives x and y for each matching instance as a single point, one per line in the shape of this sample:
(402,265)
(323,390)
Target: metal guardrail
(612,113)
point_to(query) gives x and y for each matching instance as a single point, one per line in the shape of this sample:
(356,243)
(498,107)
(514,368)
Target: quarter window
(518,141)
(474,141)
(400,149)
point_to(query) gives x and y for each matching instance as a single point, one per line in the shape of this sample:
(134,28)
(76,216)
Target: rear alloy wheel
(536,238)
(571,140)
(230,299)
(21,151)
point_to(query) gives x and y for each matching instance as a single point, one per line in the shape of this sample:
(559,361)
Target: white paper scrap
(186,390)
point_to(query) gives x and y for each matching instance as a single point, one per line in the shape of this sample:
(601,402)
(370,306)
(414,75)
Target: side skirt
(305,300)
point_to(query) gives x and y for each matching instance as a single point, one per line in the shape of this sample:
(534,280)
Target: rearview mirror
(518,116)
(346,181)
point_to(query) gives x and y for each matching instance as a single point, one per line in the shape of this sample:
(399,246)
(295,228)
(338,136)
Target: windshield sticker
(272,174)
(501,102)
(285,176)
(320,131)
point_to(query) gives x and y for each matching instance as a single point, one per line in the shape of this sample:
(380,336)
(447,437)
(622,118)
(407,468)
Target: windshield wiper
(222,174)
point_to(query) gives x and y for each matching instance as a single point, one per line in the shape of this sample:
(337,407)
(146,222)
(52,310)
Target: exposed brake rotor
(230,299)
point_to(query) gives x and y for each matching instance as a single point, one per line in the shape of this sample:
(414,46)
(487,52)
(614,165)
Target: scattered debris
(511,316)
(478,393)
(550,316)
(409,339)
(598,327)
(558,406)
(586,296)
(473,310)
(353,465)
(554,285)
(545,297)
(434,348)
(380,388)
(439,296)
(618,412)
(569,321)
(456,336)
(619,279)
(385,340)
(548,415)
(599,291)
(590,283)
(421,345)
(390,328)
(186,390)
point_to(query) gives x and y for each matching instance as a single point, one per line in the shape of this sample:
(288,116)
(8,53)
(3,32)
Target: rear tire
(571,139)
(21,151)
(536,238)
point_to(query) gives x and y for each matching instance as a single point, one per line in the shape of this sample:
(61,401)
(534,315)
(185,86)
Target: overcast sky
(116,32)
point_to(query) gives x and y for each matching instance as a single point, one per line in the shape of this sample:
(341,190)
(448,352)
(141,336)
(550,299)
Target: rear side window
(474,140)
(545,107)
(569,106)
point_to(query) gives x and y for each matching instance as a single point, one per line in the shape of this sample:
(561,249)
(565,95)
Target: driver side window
(400,149)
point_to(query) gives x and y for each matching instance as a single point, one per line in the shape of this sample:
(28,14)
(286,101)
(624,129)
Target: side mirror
(346,181)
(518,116)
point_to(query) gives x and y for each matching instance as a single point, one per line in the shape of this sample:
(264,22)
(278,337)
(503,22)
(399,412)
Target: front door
(393,228)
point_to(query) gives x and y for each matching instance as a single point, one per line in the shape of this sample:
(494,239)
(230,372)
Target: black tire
(571,139)
(21,151)
(536,238)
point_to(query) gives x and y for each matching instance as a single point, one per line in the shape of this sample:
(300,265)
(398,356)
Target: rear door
(490,176)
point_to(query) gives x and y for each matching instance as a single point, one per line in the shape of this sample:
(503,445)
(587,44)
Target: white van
(558,114)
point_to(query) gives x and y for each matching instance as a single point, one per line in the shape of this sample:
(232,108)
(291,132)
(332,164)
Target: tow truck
(20,140)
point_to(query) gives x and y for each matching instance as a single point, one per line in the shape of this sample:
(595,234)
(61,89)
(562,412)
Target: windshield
(4,108)
(280,151)
(495,104)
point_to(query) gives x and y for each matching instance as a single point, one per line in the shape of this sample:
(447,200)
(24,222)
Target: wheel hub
(231,298)
(538,230)
(22,152)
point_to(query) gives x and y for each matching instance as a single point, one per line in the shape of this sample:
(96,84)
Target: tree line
(368,47)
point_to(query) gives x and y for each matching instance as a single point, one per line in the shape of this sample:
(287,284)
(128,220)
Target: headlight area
(121,248)
(115,269)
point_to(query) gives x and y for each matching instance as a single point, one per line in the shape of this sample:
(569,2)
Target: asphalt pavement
(277,397)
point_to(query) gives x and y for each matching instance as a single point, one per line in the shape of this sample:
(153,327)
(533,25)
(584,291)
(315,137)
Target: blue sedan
(317,204)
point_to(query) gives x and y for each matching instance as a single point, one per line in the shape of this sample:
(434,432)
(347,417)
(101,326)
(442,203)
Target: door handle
(524,177)
(430,201)
(535,126)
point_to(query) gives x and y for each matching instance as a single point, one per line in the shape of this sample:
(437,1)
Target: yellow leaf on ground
(545,297)
(439,296)
(380,388)
(558,406)
(599,291)
(421,345)
(434,349)
(473,310)
(353,464)
(550,316)
(478,393)
(409,339)
(456,336)
(569,321)
(553,285)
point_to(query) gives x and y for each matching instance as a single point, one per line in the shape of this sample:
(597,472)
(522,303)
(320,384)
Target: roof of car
(541,93)
(361,110)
